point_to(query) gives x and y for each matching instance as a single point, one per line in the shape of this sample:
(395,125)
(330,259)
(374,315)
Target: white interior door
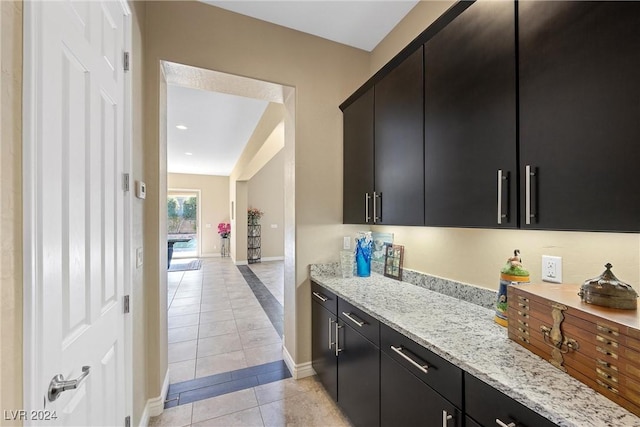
(75,204)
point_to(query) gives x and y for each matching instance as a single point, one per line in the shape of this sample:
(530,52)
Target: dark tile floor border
(227,382)
(269,303)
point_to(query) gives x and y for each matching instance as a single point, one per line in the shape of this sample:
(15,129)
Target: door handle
(58,383)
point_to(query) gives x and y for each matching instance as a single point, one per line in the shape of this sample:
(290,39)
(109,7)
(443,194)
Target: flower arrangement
(254,215)
(224,229)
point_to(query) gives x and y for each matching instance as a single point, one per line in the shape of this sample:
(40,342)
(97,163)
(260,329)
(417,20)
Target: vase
(364,246)
(346,264)
(253,220)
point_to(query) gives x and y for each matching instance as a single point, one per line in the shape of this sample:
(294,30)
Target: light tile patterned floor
(217,325)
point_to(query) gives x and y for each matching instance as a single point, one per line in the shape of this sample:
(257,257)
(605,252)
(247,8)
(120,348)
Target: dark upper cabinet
(399,146)
(358,160)
(470,120)
(580,115)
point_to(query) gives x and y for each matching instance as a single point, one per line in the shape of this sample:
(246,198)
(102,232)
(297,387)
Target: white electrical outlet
(346,242)
(552,269)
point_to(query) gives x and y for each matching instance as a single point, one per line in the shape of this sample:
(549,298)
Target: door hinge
(125,181)
(125,62)
(126,304)
(127,421)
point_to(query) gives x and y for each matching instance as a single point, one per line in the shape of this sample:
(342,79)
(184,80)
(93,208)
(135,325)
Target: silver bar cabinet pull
(423,367)
(58,384)
(353,319)
(499,196)
(527,194)
(367,198)
(338,349)
(331,343)
(445,418)
(376,218)
(320,297)
(501,424)
(502,177)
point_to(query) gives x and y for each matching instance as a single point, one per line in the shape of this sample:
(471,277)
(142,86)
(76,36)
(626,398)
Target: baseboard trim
(240,262)
(298,371)
(273,258)
(155,406)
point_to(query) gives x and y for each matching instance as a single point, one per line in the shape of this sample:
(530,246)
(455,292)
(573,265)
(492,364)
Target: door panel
(399,144)
(76,215)
(579,109)
(358,160)
(358,377)
(470,119)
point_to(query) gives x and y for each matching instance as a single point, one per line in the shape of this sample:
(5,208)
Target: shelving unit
(253,243)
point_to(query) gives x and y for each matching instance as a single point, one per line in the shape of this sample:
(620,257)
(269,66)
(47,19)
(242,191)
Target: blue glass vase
(364,246)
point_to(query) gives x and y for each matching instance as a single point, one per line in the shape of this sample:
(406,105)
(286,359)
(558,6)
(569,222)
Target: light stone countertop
(466,335)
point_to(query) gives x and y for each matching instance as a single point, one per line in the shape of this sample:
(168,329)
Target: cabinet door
(579,114)
(399,144)
(487,405)
(358,378)
(324,359)
(470,120)
(358,160)
(407,401)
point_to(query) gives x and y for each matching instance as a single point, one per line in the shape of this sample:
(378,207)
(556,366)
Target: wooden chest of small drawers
(599,346)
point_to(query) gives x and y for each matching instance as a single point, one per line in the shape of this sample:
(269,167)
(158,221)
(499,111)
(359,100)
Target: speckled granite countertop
(466,335)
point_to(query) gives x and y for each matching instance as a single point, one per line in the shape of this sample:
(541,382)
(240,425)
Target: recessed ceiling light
(188,153)
(181,127)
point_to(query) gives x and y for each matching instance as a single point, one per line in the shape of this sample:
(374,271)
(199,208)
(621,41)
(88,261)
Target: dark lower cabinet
(358,377)
(407,401)
(487,406)
(579,110)
(324,359)
(469,422)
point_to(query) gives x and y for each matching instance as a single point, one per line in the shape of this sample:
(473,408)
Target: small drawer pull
(607,341)
(607,386)
(423,366)
(606,352)
(352,317)
(320,297)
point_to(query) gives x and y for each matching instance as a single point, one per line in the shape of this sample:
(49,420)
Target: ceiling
(219,125)
(358,23)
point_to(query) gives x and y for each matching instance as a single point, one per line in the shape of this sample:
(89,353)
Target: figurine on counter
(512,273)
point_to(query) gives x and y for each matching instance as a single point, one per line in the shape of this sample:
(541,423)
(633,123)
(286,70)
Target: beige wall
(266,192)
(251,160)
(323,74)
(10,206)
(475,256)
(213,205)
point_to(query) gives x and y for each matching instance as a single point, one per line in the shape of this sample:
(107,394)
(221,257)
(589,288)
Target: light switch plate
(552,269)
(346,242)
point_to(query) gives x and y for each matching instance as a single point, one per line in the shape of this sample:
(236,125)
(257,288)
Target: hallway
(225,352)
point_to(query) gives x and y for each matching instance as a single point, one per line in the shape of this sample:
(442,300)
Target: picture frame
(393,261)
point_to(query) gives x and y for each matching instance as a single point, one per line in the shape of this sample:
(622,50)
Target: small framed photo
(393,261)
